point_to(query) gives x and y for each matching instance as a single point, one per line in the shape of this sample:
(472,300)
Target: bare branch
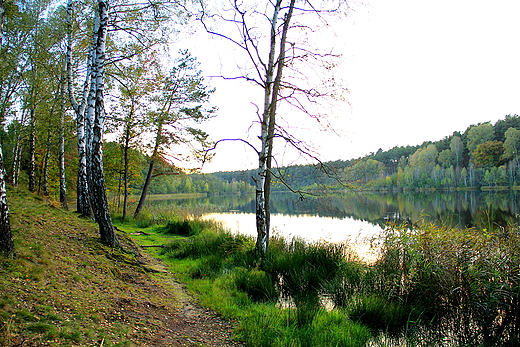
(207,151)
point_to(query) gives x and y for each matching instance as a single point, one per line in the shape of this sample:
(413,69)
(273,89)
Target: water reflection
(465,209)
(358,217)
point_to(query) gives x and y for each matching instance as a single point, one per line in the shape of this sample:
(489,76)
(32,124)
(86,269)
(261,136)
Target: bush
(256,283)
(189,227)
(378,313)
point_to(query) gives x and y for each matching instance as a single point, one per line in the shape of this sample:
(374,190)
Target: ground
(66,288)
(189,325)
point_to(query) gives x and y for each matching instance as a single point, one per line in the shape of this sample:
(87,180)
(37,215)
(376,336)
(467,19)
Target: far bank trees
(483,155)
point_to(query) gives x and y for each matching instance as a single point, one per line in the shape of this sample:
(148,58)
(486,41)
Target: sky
(416,70)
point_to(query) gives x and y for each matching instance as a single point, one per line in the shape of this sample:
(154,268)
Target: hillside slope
(65,288)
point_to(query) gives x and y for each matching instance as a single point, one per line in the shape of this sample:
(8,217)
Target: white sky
(416,70)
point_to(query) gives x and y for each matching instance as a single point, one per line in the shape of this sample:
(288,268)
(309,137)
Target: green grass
(428,285)
(66,288)
(226,274)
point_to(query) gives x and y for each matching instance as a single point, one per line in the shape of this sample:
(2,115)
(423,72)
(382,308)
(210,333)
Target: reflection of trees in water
(481,210)
(238,202)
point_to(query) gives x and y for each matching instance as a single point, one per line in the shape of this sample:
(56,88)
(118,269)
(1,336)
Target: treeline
(168,179)
(483,155)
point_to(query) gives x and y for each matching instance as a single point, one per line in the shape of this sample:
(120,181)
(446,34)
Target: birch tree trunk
(82,199)
(61,155)
(6,235)
(125,170)
(46,164)
(95,122)
(32,151)
(15,167)
(274,74)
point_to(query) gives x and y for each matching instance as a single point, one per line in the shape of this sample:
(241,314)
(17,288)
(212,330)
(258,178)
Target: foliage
(488,154)
(445,164)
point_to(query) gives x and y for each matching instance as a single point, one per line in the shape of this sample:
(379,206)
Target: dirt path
(193,325)
(183,324)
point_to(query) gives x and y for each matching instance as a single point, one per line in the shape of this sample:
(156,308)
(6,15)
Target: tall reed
(465,283)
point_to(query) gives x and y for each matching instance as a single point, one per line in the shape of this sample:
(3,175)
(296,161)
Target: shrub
(188,227)
(378,313)
(256,283)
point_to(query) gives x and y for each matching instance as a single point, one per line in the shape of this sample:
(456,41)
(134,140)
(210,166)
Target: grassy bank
(65,288)
(434,286)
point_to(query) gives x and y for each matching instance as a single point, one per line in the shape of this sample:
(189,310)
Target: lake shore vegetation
(430,286)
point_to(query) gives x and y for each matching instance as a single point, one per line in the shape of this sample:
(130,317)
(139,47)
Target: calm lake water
(359,216)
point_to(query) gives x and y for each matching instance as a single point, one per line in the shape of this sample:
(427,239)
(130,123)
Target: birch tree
(95,119)
(277,48)
(61,151)
(136,28)
(79,106)
(6,235)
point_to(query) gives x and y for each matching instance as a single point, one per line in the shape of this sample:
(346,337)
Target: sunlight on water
(310,228)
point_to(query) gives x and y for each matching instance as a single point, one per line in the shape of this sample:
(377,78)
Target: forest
(484,155)
(96,107)
(98,99)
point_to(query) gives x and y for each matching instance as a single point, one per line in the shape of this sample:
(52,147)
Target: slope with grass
(65,288)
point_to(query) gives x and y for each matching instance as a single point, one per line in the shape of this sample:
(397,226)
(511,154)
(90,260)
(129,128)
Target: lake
(359,216)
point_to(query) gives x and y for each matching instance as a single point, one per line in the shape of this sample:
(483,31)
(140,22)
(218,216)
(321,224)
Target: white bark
(83,205)
(273,78)
(61,157)
(94,131)
(6,235)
